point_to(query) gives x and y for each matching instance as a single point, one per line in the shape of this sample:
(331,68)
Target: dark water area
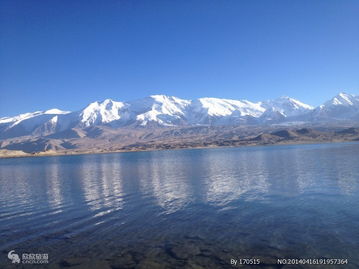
(183,208)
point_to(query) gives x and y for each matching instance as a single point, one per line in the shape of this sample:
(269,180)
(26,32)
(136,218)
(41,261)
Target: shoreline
(8,153)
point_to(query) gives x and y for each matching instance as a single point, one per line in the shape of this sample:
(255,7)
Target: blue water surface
(183,208)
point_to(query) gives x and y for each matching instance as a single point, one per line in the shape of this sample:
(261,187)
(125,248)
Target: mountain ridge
(157,111)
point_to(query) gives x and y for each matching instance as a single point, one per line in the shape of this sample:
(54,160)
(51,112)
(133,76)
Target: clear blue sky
(66,54)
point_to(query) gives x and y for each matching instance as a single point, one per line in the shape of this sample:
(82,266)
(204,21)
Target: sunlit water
(183,208)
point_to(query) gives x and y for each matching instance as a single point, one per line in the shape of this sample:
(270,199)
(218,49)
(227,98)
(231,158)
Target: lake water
(183,208)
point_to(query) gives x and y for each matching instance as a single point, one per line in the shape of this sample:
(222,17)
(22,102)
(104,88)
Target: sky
(66,54)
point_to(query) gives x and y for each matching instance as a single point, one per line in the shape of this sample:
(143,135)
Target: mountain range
(158,112)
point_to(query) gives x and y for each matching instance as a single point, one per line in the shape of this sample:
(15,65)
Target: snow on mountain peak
(170,104)
(343,106)
(56,111)
(343,99)
(225,107)
(287,106)
(26,116)
(294,102)
(103,112)
(19,117)
(161,109)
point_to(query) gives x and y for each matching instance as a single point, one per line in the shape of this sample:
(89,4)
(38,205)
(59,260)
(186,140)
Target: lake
(195,208)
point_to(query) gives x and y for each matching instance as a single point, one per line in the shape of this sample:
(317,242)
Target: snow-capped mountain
(287,106)
(30,123)
(215,111)
(272,115)
(341,107)
(19,118)
(161,111)
(158,109)
(101,113)
(343,99)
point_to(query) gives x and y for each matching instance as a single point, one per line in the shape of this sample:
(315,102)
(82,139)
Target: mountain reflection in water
(183,207)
